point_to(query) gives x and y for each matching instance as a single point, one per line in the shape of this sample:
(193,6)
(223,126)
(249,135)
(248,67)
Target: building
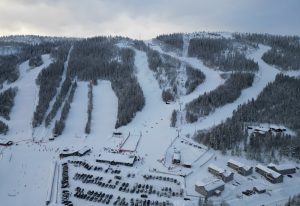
(283,169)
(242,169)
(259,189)
(116,159)
(82,152)
(221,173)
(176,158)
(270,175)
(187,164)
(210,188)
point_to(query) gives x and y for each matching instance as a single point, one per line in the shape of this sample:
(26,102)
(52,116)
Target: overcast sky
(147,18)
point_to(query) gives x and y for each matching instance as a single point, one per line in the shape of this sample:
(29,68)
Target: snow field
(25,100)
(25,166)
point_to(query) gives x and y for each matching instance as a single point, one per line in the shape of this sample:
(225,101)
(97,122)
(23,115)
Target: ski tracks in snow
(265,75)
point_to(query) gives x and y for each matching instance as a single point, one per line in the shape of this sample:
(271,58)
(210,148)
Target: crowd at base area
(101,197)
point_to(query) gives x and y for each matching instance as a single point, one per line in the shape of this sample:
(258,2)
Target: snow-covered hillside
(25,167)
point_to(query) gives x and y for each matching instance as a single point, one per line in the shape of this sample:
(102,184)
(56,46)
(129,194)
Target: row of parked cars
(93,196)
(65,176)
(89,167)
(65,198)
(122,201)
(97,180)
(161,178)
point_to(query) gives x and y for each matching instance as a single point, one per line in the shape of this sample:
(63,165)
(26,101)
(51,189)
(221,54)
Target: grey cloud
(144,18)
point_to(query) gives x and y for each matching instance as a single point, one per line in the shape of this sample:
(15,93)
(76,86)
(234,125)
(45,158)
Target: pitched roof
(268,170)
(210,185)
(239,164)
(281,167)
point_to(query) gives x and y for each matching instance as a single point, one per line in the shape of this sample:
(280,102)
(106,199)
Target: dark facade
(270,175)
(284,170)
(240,168)
(210,189)
(222,174)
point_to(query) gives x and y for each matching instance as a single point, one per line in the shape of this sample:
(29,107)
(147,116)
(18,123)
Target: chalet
(283,169)
(117,159)
(270,175)
(221,173)
(176,158)
(240,167)
(210,188)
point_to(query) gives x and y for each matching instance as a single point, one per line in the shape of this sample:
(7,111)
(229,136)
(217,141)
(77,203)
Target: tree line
(7,101)
(194,78)
(284,52)
(9,64)
(59,100)
(3,128)
(35,61)
(49,80)
(166,70)
(293,201)
(221,53)
(60,124)
(224,94)
(277,104)
(174,40)
(89,109)
(99,58)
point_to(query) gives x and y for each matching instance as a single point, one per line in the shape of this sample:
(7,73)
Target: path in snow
(265,75)
(22,112)
(77,117)
(104,113)
(154,120)
(181,75)
(212,77)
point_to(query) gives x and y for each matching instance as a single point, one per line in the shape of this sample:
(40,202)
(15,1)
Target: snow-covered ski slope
(25,167)
(25,100)
(213,79)
(154,120)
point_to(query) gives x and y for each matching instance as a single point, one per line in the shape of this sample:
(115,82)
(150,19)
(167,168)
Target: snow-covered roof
(282,167)
(268,170)
(210,185)
(115,157)
(176,156)
(239,164)
(84,150)
(216,168)
(227,173)
(260,187)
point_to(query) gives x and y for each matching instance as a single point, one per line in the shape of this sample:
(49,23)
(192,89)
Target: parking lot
(96,183)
